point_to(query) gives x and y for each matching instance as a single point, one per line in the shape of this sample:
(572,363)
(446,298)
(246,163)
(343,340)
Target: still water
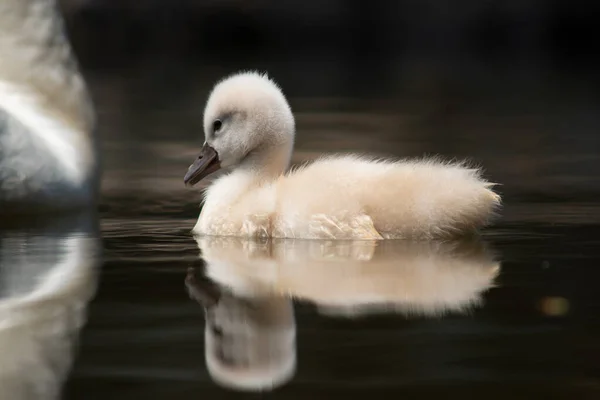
(126,303)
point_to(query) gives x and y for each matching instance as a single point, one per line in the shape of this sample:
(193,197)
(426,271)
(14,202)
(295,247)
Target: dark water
(511,314)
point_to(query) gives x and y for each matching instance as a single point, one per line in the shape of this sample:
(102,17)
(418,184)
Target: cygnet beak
(206,163)
(206,293)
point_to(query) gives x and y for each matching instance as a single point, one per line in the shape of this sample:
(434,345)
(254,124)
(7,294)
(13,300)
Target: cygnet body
(48,156)
(249,129)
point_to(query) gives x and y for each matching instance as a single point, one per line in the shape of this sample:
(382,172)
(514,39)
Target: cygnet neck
(268,162)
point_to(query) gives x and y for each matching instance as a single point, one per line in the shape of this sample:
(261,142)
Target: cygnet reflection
(47,277)
(249,285)
(250,341)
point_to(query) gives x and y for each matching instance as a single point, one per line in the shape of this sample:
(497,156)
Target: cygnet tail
(458,201)
(436,199)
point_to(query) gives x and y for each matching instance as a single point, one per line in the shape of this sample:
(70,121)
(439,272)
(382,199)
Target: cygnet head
(248,124)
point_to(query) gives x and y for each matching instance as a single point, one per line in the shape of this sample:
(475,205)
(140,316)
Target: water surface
(164,315)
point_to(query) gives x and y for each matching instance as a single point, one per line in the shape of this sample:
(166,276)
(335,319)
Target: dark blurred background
(559,34)
(536,37)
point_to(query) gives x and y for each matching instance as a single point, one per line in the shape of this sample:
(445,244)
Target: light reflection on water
(48,273)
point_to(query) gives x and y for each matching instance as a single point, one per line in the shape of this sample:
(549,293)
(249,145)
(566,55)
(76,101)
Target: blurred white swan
(249,128)
(47,277)
(48,154)
(249,286)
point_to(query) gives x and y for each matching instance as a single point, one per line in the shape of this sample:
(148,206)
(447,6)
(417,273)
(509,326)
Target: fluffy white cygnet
(48,156)
(249,130)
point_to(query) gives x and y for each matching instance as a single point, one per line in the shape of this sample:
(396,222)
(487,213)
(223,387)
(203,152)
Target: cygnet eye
(217,125)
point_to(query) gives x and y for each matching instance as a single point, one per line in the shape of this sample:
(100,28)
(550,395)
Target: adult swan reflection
(248,287)
(47,277)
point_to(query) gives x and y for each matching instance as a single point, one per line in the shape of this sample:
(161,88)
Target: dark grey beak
(203,291)
(207,163)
